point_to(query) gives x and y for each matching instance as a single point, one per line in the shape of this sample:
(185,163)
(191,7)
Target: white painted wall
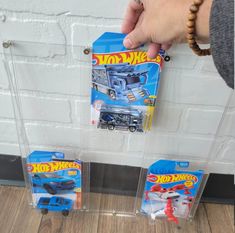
(54,84)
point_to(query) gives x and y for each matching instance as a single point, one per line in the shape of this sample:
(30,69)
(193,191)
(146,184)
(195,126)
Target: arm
(163,22)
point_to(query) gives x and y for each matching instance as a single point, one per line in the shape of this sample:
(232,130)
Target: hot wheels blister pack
(124,85)
(56,182)
(170,192)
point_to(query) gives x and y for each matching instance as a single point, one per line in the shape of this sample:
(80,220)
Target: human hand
(162,23)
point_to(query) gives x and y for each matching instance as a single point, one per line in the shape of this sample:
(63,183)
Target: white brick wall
(46,31)
(54,83)
(228,153)
(82,112)
(85,34)
(54,78)
(6,110)
(38,108)
(174,144)
(202,120)
(193,87)
(168,117)
(70,7)
(229,128)
(8,131)
(3,76)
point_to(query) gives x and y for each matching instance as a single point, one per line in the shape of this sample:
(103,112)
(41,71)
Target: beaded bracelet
(191,32)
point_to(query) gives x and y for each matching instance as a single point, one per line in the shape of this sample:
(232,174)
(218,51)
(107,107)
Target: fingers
(133,25)
(136,38)
(165,46)
(153,50)
(131,17)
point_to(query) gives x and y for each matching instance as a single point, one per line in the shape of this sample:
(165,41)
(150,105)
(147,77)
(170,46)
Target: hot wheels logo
(171,178)
(131,57)
(52,166)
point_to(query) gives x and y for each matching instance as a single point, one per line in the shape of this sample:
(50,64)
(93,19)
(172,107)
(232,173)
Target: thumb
(135,38)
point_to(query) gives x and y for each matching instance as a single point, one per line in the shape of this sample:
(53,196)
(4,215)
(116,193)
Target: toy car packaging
(56,183)
(170,192)
(124,85)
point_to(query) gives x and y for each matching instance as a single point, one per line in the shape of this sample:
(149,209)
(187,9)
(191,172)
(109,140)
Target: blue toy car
(52,182)
(55,204)
(113,117)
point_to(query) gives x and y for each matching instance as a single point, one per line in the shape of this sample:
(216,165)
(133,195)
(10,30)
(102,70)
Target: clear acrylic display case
(62,89)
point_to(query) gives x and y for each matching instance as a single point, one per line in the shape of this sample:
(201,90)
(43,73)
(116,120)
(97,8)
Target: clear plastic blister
(51,100)
(56,176)
(100,152)
(164,193)
(124,85)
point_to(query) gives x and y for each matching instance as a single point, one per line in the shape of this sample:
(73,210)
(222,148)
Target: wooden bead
(198,2)
(192,45)
(195,46)
(204,52)
(192,16)
(192,41)
(196,49)
(190,30)
(190,36)
(207,52)
(198,52)
(190,24)
(193,8)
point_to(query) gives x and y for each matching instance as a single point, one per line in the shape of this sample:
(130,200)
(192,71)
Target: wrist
(202,22)
(198,31)
(183,13)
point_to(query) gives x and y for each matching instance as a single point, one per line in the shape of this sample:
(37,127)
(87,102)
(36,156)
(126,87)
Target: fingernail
(128,43)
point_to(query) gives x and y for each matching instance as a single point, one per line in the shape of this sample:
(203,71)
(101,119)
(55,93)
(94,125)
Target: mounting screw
(3,18)
(6,44)
(86,51)
(167,58)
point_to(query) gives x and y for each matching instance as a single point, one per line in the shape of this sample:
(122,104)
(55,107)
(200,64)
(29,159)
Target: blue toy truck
(120,81)
(52,182)
(120,118)
(56,204)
